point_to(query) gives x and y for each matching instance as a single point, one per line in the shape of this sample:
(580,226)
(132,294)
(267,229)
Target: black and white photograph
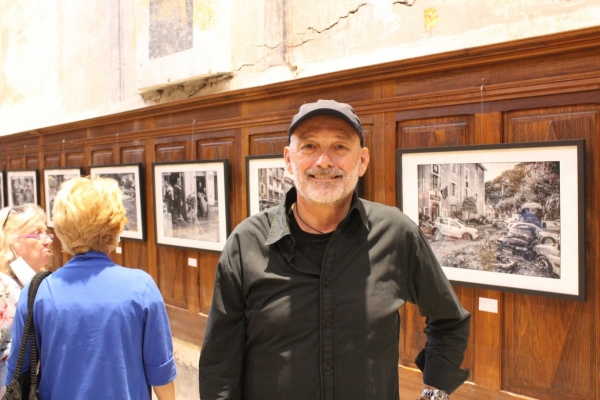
(2,196)
(22,187)
(267,181)
(190,204)
(501,216)
(53,178)
(130,179)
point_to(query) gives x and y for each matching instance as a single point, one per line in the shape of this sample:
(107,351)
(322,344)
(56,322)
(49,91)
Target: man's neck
(319,217)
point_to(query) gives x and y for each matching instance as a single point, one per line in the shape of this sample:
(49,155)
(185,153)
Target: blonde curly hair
(88,214)
(16,220)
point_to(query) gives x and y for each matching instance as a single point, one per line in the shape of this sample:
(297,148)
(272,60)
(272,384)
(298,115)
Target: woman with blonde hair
(24,250)
(102,329)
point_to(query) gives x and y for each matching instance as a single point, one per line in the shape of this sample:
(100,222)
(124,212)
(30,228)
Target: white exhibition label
(488,305)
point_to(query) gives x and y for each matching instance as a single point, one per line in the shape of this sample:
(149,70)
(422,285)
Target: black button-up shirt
(282,328)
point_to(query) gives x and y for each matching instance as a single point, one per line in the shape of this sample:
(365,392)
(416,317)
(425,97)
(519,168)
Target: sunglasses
(15,209)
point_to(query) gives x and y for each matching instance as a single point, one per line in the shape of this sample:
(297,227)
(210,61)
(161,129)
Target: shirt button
(327,324)
(327,367)
(326,283)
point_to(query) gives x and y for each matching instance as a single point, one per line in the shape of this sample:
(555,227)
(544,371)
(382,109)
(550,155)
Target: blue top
(531,219)
(102,331)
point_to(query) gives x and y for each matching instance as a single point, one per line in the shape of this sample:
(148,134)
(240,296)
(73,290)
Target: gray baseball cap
(328,107)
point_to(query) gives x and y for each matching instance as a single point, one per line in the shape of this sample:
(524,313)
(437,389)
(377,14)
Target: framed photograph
(506,217)
(267,181)
(191,204)
(22,187)
(53,178)
(2,196)
(130,179)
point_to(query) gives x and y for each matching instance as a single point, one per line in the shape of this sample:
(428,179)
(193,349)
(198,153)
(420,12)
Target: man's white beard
(326,192)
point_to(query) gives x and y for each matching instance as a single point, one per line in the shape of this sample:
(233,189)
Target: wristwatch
(434,394)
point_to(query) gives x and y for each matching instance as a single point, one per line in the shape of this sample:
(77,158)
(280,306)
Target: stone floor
(186,357)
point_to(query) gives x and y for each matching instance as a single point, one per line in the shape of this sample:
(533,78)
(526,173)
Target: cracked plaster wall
(66,61)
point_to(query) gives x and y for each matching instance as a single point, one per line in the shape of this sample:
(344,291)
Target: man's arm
(165,392)
(448,323)
(222,353)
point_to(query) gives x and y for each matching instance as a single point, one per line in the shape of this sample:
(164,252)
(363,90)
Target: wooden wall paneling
(214,146)
(192,281)
(102,155)
(15,164)
(119,127)
(485,344)
(593,238)
(52,161)
(271,105)
(206,276)
(267,140)
(436,132)
(65,136)
(243,150)
(135,252)
(170,151)
(542,339)
(488,128)
(552,341)
(133,153)
(412,337)
(152,254)
(32,161)
(378,183)
(429,132)
(351,92)
(76,158)
(172,275)
(172,263)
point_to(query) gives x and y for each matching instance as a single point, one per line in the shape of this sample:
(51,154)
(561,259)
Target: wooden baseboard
(187,326)
(411,385)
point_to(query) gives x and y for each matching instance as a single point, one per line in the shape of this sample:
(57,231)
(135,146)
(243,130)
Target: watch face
(440,395)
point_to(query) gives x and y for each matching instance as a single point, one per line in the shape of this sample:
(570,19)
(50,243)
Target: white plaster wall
(63,61)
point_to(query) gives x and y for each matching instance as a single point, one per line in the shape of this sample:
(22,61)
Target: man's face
(325,159)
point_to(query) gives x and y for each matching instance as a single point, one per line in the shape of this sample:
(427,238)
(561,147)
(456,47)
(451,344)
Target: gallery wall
(533,90)
(65,61)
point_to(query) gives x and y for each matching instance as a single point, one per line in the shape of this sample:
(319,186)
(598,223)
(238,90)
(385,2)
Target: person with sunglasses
(109,322)
(24,250)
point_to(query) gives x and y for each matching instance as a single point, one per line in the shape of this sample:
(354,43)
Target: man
(177,202)
(529,215)
(307,294)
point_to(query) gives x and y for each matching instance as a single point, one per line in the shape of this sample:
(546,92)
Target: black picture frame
(130,178)
(267,180)
(22,187)
(53,178)
(195,215)
(522,203)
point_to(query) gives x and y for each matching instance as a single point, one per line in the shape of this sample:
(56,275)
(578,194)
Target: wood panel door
(548,346)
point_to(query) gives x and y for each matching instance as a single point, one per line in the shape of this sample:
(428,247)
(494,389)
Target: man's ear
(287,158)
(364,161)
